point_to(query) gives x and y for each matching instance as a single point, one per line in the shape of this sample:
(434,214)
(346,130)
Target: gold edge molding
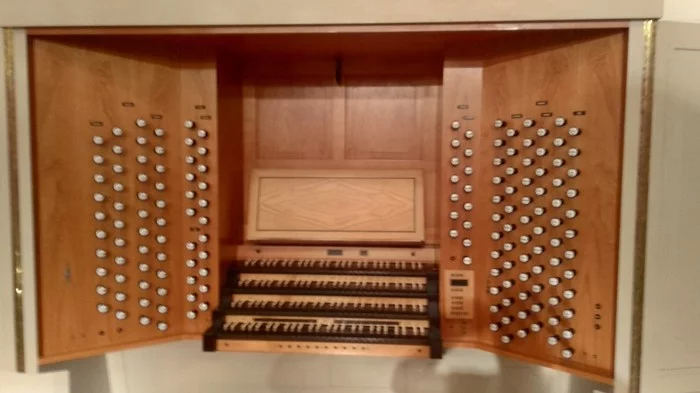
(640,238)
(11,112)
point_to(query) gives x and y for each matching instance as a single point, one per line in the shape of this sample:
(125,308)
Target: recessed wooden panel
(389,115)
(293,122)
(390,105)
(289,107)
(232,186)
(328,205)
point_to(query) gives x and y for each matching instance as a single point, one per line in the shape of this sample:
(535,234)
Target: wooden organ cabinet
(393,193)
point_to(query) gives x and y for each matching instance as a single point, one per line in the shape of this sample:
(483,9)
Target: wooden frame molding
(319,29)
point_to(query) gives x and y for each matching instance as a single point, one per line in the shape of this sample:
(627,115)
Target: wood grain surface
(582,82)
(324,348)
(297,115)
(80,91)
(334,205)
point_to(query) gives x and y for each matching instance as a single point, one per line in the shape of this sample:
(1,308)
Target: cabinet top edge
(324,29)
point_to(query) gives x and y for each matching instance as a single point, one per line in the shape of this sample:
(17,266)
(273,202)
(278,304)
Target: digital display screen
(459,283)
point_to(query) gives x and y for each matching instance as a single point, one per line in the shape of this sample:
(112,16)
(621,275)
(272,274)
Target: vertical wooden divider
(459,198)
(200,192)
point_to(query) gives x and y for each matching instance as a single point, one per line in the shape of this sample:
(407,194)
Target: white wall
(670,360)
(671,345)
(682,10)
(11,382)
(276,12)
(184,368)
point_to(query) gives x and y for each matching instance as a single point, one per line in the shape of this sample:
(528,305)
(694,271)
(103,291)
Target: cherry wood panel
(199,104)
(81,91)
(460,132)
(582,83)
(318,112)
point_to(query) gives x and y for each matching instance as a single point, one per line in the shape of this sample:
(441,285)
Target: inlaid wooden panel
(332,205)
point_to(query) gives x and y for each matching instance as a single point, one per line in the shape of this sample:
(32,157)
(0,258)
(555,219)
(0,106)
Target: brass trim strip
(640,237)
(11,112)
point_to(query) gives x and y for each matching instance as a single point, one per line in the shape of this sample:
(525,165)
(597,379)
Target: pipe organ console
(395,193)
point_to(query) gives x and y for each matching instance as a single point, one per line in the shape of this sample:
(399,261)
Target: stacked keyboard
(324,306)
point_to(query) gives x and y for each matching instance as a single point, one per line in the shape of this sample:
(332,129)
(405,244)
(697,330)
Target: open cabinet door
(121,202)
(671,345)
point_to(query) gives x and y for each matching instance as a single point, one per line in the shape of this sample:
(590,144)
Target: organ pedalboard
(331,193)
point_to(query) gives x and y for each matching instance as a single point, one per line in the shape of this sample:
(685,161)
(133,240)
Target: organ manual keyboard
(331,193)
(325,305)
